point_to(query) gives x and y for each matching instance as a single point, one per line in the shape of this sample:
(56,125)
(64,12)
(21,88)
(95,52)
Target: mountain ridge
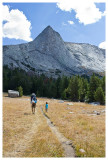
(50,55)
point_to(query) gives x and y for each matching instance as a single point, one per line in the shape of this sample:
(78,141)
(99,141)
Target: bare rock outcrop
(50,55)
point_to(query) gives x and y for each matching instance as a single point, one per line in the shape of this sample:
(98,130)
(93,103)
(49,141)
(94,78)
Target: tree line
(75,88)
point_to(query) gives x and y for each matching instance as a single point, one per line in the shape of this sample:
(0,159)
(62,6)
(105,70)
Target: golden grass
(44,143)
(77,123)
(25,134)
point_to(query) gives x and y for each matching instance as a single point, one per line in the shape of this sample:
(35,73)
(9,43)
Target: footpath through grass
(79,123)
(25,134)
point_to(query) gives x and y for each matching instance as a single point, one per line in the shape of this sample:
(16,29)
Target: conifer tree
(58,87)
(93,85)
(73,88)
(99,95)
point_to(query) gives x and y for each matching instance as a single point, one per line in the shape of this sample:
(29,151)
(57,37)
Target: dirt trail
(67,144)
(24,143)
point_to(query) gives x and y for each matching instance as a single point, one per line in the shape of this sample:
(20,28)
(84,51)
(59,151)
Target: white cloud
(86,11)
(71,22)
(104,13)
(102,45)
(15,24)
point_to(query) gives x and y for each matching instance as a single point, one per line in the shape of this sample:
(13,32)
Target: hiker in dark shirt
(33,102)
(33,95)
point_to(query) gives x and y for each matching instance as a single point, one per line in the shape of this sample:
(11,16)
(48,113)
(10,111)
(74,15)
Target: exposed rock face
(13,94)
(49,54)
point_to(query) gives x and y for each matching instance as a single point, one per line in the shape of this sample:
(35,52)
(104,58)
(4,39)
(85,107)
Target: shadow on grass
(27,114)
(44,113)
(12,97)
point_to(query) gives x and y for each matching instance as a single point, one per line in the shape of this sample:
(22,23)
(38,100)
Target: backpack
(34,100)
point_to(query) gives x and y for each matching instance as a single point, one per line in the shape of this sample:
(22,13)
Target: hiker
(46,106)
(33,102)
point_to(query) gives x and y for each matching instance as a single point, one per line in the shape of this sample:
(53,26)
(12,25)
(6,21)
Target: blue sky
(67,21)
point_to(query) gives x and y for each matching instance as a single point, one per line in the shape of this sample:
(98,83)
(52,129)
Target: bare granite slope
(49,54)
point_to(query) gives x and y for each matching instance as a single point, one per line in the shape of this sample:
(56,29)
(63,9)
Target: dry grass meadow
(79,123)
(28,135)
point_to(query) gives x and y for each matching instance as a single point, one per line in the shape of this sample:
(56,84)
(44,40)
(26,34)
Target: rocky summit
(50,55)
